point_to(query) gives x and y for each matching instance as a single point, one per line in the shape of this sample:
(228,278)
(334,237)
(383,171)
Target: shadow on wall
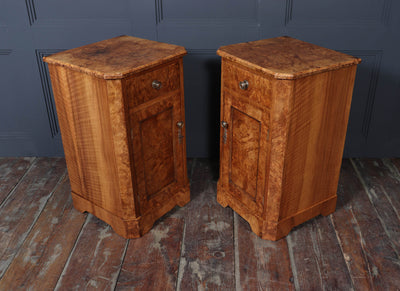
(369,131)
(202,77)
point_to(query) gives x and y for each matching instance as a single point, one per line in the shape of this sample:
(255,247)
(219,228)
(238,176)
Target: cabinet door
(158,151)
(244,152)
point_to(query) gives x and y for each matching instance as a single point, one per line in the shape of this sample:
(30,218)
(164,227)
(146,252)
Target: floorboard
(316,254)
(46,244)
(152,262)
(42,256)
(96,259)
(11,172)
(22,208)
(372,260)
(380,185)
(261,264)
(207,261)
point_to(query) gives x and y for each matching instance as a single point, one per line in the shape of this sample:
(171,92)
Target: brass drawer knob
(244,85)
(156,84)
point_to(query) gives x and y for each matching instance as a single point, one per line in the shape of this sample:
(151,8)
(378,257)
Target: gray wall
(31,29)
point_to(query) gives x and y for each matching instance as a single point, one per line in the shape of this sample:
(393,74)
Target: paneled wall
(31,29)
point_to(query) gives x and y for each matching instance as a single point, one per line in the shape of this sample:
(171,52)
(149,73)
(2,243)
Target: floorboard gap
(72,251)
(292,262)
(236,247)
(19,182)
(341,248)
(122,263)
(182,261)
(367,191)
(35,219)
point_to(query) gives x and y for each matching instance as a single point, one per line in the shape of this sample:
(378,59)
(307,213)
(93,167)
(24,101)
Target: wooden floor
(45,244)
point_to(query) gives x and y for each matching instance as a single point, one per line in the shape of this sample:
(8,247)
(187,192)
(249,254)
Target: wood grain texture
(11,172)
(286,57)
(203,171)
(139,87)
(279,123)
(245,154)
(157,152)
(315,250)
(259,90)
(379,180)
(239,155)
(308,259)
(124,152)
(152,262)
(95,260)
(371,258)
(301,97)
(245,134)
(262,265)
(128,228)
(63,101)
(88,138)
(117,57)
(42,256)
(394,168)
(117,104)
(318,123)
(207,259)
(18,219)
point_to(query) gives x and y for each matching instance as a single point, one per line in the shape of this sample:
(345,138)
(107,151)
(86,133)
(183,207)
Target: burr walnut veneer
(121,112)
(284,110)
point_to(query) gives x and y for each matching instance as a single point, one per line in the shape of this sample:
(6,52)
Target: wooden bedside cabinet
(284,110)
(120,106)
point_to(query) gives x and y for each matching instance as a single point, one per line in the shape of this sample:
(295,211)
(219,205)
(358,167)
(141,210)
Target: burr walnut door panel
(157,145)
(244,155)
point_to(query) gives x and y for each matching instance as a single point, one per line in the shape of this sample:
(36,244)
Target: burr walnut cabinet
(284,110)
(121,113)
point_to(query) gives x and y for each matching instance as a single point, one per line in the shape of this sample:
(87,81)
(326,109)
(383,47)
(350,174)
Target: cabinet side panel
(59,81)
(87,127)
(318,123)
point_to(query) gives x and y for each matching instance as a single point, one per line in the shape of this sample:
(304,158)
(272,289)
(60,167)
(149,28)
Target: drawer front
(152,84)
(247,84)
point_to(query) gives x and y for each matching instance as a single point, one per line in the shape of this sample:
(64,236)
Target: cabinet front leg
(221,196)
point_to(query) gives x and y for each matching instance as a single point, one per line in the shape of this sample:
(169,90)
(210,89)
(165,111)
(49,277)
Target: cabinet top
(285,57)
(117,57)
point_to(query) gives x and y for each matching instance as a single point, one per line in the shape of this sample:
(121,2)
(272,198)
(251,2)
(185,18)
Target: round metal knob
(156,84)
(179,124)
(244,85)
(224,124)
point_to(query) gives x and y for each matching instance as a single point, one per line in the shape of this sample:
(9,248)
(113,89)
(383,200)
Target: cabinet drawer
(147,86)
(247,84)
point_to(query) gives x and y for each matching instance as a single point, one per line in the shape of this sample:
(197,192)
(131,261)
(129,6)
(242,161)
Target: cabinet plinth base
(274,230)
(226,199)
(134,227)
